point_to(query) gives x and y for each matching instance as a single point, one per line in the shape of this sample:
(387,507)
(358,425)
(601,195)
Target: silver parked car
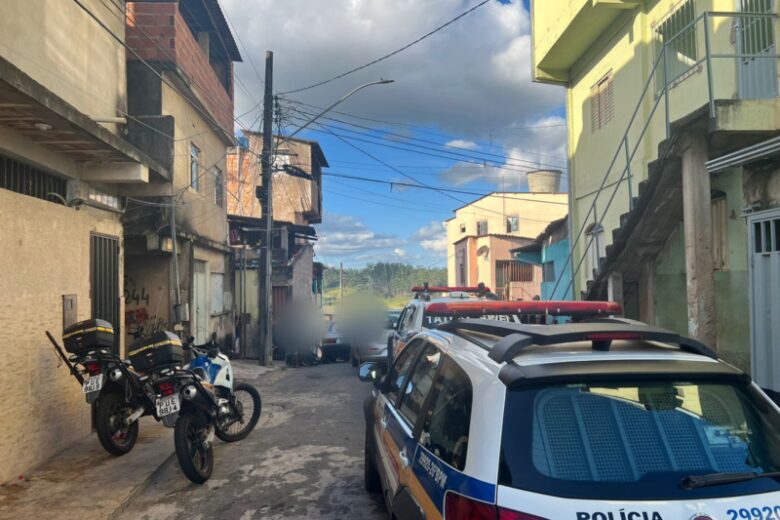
(374,349)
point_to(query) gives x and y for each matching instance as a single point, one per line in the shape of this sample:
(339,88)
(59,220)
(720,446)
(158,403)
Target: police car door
(408,500)
(386,420)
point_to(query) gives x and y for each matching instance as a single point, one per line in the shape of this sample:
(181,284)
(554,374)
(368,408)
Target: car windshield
(637,441)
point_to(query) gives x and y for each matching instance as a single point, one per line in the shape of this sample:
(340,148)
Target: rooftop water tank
(544,181)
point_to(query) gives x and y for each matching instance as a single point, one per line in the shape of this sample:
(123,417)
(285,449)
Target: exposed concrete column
(647,292)
(615,288)
(698,240)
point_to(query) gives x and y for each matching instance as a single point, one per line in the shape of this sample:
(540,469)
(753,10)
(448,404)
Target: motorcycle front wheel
(247,405)
(196,457)
(115,437)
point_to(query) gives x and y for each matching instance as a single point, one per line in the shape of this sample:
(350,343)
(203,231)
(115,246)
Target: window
(407,322)
(398,373)
(419,384)
(720,233)
(463,228)
(217,293)
(101,197)
(637,440)
(446,428)
(194,167)
(679,36)
(596,249)
(28,180)
(602,103)
(219,188)
(482,228)
(548,272)
(512,224)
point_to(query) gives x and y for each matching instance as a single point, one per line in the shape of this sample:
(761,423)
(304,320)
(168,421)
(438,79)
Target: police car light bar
(448,288)
(551,308)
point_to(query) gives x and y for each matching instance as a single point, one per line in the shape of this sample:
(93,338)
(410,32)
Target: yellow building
(481,235)
(672,106)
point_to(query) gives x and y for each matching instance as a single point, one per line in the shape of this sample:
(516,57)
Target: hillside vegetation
(389,281)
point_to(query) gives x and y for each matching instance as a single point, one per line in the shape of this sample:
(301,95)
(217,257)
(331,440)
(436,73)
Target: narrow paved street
(305,460)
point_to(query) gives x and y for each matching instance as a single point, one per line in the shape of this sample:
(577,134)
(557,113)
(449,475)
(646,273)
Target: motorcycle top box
(88,335)
(156,351)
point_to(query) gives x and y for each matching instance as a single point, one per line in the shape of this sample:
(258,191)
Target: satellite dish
(483,251)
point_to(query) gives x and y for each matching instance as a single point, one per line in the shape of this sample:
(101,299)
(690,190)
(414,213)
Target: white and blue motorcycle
(243,399)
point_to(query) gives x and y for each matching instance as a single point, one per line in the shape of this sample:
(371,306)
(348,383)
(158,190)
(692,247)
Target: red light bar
(552,308)
(446,288)
(609,336)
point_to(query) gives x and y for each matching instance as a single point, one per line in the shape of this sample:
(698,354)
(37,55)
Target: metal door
(756,39)
(199,302)
(764,230)
(104,281)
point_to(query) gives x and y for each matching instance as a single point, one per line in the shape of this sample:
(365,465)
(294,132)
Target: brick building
(183,105)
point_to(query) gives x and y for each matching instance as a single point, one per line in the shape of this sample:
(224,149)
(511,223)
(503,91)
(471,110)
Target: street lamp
(343,98)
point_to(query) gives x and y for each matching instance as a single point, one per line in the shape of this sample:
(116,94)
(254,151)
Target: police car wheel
(370,473)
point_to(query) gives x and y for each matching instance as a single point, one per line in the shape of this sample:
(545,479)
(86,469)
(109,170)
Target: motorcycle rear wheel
(195,459)
(243,392)
(115,438)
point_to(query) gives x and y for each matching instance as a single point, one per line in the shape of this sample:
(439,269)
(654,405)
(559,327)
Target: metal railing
(697,46)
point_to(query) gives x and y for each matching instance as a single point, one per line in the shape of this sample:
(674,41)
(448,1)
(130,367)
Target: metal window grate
(104,280)
(26,179)
(678,33)
(602,102)
(482,228)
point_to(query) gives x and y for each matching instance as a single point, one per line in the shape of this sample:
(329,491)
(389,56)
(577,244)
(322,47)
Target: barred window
(548,272)
(678,33)
(602,102)
(28,180)
(194,167)
(482,228)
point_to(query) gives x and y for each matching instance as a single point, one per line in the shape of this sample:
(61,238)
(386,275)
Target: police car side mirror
(371,373)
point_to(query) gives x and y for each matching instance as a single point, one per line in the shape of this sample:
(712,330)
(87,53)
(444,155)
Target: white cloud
(342,235)
(542,145)
(462,143)
(401,253)
(432,237)
(466,79)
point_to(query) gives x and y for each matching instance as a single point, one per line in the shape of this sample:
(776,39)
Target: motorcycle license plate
(93,384)
(168,405)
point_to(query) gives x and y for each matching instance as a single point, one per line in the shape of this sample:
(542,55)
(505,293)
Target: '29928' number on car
(755,513)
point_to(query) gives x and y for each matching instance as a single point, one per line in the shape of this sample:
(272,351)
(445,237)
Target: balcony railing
(717,55)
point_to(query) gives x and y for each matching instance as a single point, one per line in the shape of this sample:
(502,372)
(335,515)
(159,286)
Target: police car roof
(607,349)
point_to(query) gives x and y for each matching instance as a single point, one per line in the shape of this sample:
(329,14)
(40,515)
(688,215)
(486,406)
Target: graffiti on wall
(139,320)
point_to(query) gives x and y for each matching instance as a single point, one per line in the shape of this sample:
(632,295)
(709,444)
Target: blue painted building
(550,250)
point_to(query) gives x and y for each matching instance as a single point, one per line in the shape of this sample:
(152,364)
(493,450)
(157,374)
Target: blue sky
(454,94)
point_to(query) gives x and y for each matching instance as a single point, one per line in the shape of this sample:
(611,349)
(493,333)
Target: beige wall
(44,254)
(199,212)
(535,211)
(57,44)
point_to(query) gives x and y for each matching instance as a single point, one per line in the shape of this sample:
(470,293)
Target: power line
(449,190)
(427,130)
(456,157)
(386,56)
(401,139)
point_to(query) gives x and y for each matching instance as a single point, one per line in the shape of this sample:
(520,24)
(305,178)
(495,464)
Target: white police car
(607,419)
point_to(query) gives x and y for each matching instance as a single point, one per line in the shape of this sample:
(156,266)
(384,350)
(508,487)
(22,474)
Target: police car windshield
(638,441)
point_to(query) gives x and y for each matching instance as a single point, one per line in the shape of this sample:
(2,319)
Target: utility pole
(341,284)
(265,310)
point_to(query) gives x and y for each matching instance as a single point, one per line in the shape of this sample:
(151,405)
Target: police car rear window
(637,440)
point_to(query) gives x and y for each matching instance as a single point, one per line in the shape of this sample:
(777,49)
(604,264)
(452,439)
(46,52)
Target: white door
(200,304)
(764,231)
(756,47)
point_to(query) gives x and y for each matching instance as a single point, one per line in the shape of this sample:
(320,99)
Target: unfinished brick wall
(157,32)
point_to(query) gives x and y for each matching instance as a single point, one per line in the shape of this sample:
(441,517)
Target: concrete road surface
(304,461)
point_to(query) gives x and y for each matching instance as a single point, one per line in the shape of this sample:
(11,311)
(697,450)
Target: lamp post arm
(340,100)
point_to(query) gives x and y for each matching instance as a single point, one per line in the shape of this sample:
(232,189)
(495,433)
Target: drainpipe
(177,305)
